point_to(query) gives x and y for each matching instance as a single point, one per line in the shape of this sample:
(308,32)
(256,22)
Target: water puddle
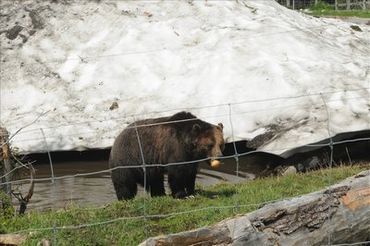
(97,189)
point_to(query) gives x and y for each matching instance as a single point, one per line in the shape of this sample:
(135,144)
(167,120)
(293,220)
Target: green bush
(322,6)
(6,210)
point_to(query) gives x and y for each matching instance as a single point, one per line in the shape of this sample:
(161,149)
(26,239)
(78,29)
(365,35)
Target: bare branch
(20,129)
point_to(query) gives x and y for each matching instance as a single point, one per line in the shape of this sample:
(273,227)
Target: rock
(284,170)
(12,239)
(113,106)
(44,242)
(36,19)
(13,32)
(289,170)
(356,28)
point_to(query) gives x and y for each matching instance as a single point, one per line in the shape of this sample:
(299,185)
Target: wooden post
(288,3)
(348,4)
(336,5)
(5,159)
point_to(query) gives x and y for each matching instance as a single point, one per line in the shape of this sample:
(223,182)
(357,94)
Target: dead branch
(20,129)
(8,171)
(23,200)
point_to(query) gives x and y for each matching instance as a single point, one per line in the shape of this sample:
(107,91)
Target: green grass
(342,13)
(324,9)
(133,231)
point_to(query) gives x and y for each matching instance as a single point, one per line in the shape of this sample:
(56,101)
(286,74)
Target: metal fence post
(236,157)
(49,155)
(145,178)
(331,145)
(54,239)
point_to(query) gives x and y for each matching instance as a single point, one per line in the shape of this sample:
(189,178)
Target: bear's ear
(195,129)
(221,126)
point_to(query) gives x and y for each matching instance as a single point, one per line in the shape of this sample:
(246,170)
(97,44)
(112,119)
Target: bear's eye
(209,146)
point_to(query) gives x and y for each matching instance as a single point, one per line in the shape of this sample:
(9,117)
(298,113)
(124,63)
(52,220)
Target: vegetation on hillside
(324,9)
(123,223)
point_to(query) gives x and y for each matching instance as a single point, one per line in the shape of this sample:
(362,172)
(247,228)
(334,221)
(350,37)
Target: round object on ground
(215,163)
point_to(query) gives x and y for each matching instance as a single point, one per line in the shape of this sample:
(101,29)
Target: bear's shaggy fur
(178,138)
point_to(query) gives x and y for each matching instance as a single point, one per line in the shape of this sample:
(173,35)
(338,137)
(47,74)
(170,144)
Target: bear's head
(208,143)
(200,139)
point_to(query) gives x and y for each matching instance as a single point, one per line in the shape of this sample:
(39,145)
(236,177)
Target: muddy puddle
(97,189)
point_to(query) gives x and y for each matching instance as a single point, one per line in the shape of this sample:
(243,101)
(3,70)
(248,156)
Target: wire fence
(236,156)
(36,134)
(146,215)
(45,133)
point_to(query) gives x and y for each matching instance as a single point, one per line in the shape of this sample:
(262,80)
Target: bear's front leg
(157,186)
(190,185)
(191,174)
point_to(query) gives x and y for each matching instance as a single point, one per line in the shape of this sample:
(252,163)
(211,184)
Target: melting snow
(155,58)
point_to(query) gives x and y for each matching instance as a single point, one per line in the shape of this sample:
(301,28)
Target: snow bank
(253,63)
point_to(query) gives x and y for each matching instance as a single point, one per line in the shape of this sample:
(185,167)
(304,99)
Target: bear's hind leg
(125,186)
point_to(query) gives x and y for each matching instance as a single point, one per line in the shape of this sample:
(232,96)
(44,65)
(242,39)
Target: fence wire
(133,166)
(240,113)
(149,216)
(263,100)
(145,215)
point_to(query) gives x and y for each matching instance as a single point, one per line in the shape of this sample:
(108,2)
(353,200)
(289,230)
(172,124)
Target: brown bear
(179,138)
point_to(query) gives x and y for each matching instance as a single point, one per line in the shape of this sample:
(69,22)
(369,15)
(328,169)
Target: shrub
(322,6)
(6,209)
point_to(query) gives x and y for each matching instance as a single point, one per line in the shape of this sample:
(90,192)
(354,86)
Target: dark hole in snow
(348,148)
